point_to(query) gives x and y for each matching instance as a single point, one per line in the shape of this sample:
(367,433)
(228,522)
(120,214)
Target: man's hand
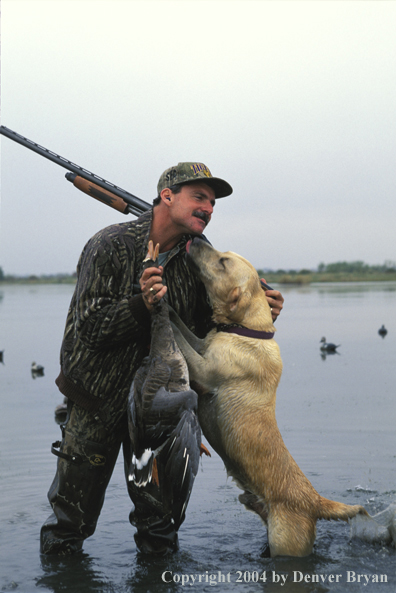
(275,301)
(152,288)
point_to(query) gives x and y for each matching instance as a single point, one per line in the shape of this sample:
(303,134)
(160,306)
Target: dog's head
(232,284)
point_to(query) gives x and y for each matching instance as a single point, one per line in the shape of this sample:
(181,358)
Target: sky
(292,102)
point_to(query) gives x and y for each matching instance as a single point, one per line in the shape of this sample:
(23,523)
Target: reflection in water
(353,288)
(147,569)
(324,353)
(64,573)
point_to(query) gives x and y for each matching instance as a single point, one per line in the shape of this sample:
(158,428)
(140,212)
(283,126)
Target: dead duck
(328,346)
(162,416)
(382,331)
(37,370)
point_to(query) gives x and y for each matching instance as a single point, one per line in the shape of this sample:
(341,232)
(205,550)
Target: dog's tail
(330,509)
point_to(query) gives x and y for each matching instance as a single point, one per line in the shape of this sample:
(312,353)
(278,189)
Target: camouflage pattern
(187,172)
(78,489)
(107,330)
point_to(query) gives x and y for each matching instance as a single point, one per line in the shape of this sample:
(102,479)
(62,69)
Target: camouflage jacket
(107,332)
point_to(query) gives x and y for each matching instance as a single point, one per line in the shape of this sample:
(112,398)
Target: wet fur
(238,378)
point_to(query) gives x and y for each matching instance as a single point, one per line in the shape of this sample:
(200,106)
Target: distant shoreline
(47,279)
(282,278)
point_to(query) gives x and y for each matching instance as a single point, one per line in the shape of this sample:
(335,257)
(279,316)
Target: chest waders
(77,493)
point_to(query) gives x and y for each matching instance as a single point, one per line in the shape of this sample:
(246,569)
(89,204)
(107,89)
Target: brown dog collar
(244,331)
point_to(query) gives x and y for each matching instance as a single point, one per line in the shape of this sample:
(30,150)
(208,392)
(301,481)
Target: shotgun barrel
(112,194)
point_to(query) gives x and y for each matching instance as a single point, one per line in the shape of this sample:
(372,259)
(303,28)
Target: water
(337,416)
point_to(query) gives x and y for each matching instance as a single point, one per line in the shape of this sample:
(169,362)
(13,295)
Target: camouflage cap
(187,172)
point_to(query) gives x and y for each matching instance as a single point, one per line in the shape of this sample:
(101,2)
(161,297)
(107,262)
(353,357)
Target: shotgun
(91,184)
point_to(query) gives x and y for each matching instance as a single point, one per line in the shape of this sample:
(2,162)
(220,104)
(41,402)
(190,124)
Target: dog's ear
(233,298)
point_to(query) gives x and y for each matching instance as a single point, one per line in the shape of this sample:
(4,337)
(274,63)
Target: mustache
(202,216)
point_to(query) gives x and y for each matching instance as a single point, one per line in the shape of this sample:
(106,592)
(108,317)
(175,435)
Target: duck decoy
(61,412)
(37,370)
(328,346)
(162,416)
(382,331)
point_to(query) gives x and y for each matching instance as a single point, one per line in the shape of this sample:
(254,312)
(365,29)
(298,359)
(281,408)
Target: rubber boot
(152,516)
(77,493)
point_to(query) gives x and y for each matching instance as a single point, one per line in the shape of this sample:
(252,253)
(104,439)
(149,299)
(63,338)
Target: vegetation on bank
(356,271)
(33,279)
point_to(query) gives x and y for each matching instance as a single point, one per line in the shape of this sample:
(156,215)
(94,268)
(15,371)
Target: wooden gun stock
(98,193)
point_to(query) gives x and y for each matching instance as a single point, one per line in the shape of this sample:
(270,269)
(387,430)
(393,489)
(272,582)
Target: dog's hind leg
(290,533)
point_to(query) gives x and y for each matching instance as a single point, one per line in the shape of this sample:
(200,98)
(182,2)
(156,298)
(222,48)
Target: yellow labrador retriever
(238,367)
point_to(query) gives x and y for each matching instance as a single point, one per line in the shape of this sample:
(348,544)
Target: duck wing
(179,457)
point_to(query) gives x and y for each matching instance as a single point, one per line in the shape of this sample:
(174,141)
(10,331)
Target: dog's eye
(222,261)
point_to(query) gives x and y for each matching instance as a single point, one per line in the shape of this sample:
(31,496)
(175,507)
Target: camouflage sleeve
(106,314)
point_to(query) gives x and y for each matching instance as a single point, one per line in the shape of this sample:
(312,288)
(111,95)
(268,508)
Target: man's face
(191,209)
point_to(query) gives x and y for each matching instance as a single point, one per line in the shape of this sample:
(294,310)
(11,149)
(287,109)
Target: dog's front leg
(198,368)
(196,343)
